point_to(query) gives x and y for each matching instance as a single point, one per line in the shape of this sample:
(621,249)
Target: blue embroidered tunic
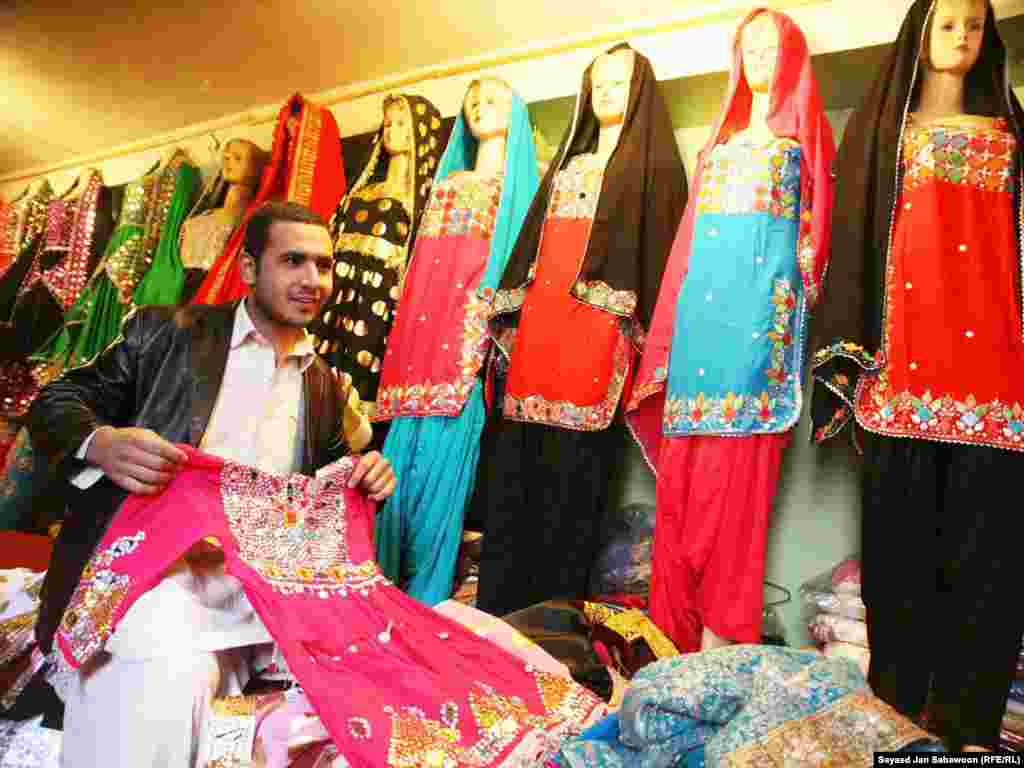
(738,343)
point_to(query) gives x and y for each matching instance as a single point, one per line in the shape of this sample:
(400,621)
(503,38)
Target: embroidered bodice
(146,206)
(463,204)
(441,298)
(740,177)
(982,158)
(23,221)
(204,237)
(576,189)
(70,226)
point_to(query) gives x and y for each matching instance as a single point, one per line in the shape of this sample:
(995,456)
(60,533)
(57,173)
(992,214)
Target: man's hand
(375,475)
(138,460)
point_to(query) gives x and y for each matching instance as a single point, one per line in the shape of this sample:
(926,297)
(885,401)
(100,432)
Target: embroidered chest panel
(70,226)
(22,222)
(742,178)
(203,239)
(465,204)
(576,189)
(60,218)
(121,264)
(293,531)
(137,197)
(129,263)
(982,158)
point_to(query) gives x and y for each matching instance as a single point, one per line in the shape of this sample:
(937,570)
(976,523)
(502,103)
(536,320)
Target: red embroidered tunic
(571,359)
(952,346)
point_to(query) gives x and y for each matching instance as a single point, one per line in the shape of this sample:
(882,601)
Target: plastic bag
(836,591)
(623,563)
(830,628)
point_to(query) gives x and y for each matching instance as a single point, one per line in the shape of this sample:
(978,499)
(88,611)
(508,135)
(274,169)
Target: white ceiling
(79,77)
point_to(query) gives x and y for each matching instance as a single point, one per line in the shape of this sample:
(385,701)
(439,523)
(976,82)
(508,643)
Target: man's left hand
(374,475)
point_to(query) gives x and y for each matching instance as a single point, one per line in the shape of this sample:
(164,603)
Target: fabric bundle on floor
(1011,735)
(746,706)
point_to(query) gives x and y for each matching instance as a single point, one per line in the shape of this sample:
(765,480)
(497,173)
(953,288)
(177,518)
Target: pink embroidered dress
(394,683)
(438,342)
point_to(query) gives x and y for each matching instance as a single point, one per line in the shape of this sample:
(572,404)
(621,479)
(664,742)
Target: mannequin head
(953,41)
(242,163)
(487,108)
(397,126)
(610,79)
(759,45)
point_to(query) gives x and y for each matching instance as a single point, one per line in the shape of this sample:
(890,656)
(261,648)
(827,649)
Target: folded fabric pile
(20,659)
(1011,736)
(836,613)
(25,742)
(28,744)
(601,644)
(745,706)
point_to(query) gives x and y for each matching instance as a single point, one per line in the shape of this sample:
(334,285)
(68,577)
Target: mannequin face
(241,163)
(954,37)
(397,128)
(759,45)
(487,109)
(610,78)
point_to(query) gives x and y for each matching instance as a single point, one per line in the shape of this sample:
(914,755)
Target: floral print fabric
(747,706)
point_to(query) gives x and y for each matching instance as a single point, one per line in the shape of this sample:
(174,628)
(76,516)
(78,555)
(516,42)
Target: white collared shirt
(259,416)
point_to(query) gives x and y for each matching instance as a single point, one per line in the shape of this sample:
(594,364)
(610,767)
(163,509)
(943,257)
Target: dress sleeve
(836,369)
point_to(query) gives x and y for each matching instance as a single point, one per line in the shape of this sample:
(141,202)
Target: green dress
(141,265)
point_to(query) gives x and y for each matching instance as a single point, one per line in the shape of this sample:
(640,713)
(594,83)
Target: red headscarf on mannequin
(306,169)
(795,112)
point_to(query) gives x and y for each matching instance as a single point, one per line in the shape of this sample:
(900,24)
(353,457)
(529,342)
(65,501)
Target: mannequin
(925,354)
(219,210)
(727,345)
(304,167)
(373,229)
(433,392)
(759,43)
(585,267)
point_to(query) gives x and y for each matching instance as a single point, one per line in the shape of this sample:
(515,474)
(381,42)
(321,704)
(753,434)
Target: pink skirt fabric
(715,496)
(391,679)
(294,735)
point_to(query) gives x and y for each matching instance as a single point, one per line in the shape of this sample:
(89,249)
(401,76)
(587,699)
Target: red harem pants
(715,495)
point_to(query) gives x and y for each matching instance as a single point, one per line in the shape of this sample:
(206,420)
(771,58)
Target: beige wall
(693,42)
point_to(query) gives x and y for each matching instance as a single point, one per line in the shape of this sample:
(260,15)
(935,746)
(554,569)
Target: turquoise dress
(739,339)
(437,416)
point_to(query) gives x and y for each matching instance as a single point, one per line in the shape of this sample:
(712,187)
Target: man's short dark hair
(257,231)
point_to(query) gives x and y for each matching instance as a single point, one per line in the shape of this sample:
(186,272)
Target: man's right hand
(138,460)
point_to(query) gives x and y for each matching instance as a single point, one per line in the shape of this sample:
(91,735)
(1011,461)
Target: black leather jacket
(163,373)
